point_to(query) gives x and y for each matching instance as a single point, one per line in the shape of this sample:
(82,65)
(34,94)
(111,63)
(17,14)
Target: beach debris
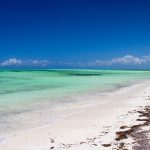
(140,137)
(124,127)
(82,143)
(141,140)
(95,144)
(106,145)
(52,140)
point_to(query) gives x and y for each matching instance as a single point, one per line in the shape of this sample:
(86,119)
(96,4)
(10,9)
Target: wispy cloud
(125,60)
(18,62)
(11,62)
(36,62)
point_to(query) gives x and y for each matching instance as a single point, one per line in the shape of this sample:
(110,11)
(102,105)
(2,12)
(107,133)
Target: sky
(75,34)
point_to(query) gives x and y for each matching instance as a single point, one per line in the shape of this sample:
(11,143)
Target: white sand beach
(93,128)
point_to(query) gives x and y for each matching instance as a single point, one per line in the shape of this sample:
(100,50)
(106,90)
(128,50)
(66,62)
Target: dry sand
(105,126)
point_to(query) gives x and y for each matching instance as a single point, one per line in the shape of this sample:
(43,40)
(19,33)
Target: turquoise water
(27,91)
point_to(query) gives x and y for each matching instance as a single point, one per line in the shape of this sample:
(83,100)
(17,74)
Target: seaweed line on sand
(141,139)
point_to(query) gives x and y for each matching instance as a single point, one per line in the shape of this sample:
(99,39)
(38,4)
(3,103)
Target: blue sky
(61,33)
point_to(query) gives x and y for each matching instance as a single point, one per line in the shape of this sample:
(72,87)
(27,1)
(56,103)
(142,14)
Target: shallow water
(33,98)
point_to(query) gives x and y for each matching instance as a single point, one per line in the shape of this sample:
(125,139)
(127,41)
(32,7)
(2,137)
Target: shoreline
(82,127)
(63,110)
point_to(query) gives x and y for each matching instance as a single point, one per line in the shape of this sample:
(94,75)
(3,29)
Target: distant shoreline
(94,69)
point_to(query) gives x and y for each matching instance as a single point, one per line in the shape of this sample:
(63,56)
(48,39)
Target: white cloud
(36,62)
(11,62)
(19,62)
(125,60)
(128,59)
